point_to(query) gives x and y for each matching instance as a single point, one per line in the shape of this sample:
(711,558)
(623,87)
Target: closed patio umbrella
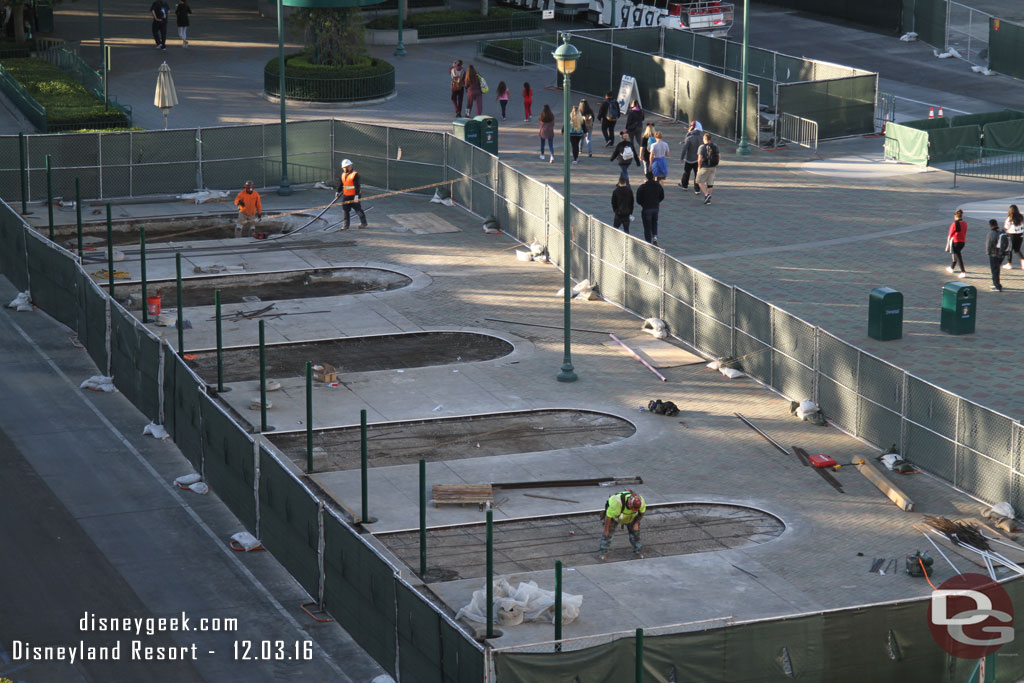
(165,96)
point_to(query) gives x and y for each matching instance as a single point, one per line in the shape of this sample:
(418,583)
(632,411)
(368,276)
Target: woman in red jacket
(955,242)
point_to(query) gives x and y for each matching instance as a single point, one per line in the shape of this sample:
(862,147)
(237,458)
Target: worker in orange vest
(250,207)
(348,189)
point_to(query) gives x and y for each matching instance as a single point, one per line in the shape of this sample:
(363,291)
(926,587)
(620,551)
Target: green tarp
(1005,46)
(987,117)
(1008,135)
(927,124)
(905,144)
(12,248)
(53,274)
(943,143)
(841,106)
(228,465)
(930,22)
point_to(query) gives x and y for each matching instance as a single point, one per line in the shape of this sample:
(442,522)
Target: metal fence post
(181,313)
(24,173)
(49,195)
(423,517)
(639,674)
(199,159)
(489,589)
(558,605)
(142,269)
(110,254)
(309,417)
(263,378)
(364,484)
(78,218)
(220,342)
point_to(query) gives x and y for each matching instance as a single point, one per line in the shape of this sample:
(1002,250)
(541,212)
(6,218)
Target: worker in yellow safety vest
(250,207)
(625,508)
(348,189)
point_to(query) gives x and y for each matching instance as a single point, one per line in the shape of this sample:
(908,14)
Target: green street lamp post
(400,48)
(566,57)
(744,146)
(283,189)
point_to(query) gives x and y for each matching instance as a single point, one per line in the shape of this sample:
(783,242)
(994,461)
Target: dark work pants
(622,222)
(995,263)
(687,169)
(160,32)
(1015,244)
(650,219)
(359,211)
(607,129)
(574,143)
(457,101)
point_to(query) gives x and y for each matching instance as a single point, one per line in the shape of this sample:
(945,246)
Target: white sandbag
(157,431)
(524,255)
(983,70)
(199,487)
(714,365)
(99,383)
(1003,509)
(246,540)
(657,327)
(383,678)
(203,196)
(319,185)
(533,602)
(187,479)
(909,37)
(806,409)
(22,302)
(536,248)
(731,373)
(890,460)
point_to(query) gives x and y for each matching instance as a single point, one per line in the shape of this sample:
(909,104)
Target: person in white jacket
(1014,227)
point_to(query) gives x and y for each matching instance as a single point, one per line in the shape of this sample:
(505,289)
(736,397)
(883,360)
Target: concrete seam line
(187,508)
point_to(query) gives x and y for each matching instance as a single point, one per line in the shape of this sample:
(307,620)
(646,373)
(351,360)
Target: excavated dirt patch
(455,438)
(534,544)
(160,231)
(260,289)
(357,354)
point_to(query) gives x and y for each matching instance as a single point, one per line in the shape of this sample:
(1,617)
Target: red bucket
(153,305)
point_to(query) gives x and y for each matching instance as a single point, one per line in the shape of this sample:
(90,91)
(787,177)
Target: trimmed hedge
(66,101)
(444,17)
(369,79)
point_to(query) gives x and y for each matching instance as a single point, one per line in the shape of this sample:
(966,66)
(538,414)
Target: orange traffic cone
(931,113)
(940,111)
(885,120)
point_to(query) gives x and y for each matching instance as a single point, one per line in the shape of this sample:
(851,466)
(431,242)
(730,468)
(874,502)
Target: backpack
(627,153)
(1003,244)
(484,89)
(613,110)
(713,155)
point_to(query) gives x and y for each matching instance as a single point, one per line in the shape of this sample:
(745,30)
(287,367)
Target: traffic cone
(931,113)
(885,120)
(940,111)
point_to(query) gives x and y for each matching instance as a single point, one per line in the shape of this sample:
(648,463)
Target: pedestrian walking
(458,76)
(503,98)
(645,146)
(635,124)
(349,189)
(1014,228)
(649,197)
(588,123)
(625,154)
(575,133)
(622,205)
(996,247)
(708,158)
(955,242)
(181,12)
(159,10)
(476,88)
(625,508)
(250,207)
(527,101)
(609,113)
(547,132)
(659,158)
(689,156)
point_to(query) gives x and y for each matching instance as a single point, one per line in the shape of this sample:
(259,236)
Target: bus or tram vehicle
(709,17)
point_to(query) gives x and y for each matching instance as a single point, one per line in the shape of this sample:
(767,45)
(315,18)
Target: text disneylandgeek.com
(137,649)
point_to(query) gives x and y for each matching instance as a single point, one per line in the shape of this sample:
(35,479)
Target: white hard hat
(345,163)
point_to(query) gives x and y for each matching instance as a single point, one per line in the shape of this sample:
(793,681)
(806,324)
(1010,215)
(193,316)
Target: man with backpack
(997,246)
(609,113)
(708,158)
(625,508)
(625,154)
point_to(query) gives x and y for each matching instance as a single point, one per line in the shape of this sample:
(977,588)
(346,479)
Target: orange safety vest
(253,204)
(348,183)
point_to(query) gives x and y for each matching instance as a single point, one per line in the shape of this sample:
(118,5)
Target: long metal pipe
(181,304)
(558,605)
(220,342)
(490,574)
(142,268)
(363,465)
(423,517)
(263,378)
(309,417)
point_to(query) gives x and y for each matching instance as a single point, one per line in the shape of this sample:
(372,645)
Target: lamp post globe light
(566,57)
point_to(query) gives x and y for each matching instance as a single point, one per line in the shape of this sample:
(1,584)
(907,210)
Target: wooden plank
(894,494)
(462,494)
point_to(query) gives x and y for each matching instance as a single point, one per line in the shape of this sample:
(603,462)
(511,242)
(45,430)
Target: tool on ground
(876,565)
(766,437)
(969,537)
(659,407)
(311,221)
(827,476)
(884,485)
(939,550)
(635,355)
(560,483)
(820,460)
(550,327)
(919,564)
(561,500)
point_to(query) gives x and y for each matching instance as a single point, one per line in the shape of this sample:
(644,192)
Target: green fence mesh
(92,319)
(289,521)
(228,463)
(987,117)
(53,273)
(942,143)
(148,375)
(461,659)
(906,144)
(930,21)
(359,592)
(881,14)
(841,107)
(1008,135)
(708,98)
(593,73)
(927,124)
(419,638)
(1005,44)
(12,248)
(124,349)
(187,409)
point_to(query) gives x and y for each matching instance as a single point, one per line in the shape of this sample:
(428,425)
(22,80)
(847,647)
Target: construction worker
(250,207)
(348,189)
(626,508)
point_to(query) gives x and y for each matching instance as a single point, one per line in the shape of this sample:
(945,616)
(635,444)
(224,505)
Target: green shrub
(299,66)
(65,99)
(444,17)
